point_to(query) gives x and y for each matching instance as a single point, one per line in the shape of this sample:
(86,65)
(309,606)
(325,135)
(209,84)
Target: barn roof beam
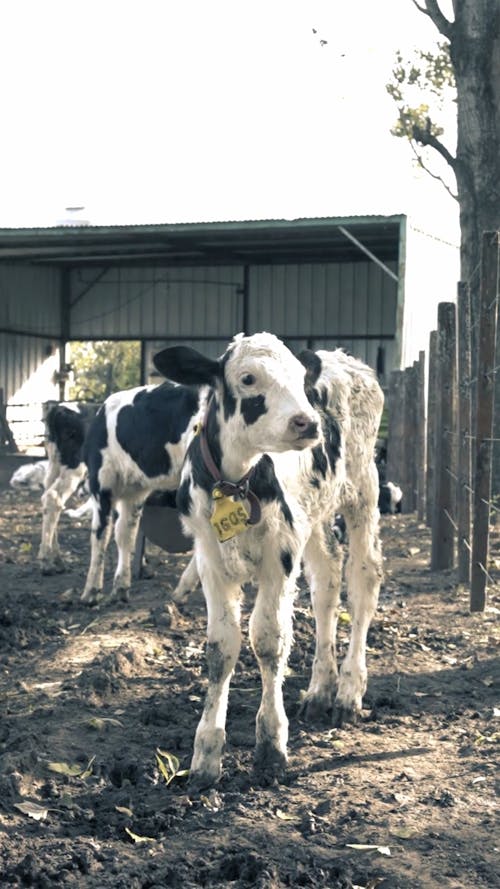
(371,255)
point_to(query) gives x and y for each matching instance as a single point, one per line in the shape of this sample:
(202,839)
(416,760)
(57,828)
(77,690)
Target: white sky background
(149,111)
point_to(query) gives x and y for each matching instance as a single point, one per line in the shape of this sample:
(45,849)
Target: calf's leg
(364,576)
(126,527)
(99,540)
(323,557)
(188,581)
(271,637)
(223,646)
(57,493)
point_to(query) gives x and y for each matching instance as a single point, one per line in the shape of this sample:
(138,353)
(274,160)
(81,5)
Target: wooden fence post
(409,483)
(421,437)
(443,536)
(484,421)
(395,431)
(431,426)
(464,486)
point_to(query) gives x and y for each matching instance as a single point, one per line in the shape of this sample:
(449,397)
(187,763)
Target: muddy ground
(90,696)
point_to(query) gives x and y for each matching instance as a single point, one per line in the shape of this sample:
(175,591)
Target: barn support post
(395,430)
(7,441)
(420,437)
(488,309)
(245,306)
(464,484)
(432,403)
(443,525)
(65,330)
(409,438)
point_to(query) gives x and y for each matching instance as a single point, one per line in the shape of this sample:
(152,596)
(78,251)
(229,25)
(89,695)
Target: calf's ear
(185,365)
(312,364)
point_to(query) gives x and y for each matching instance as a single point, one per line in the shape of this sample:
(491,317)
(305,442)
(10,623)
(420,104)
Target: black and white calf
(135,445)
(390,498)
(285,445)
(30,476)
(65,434)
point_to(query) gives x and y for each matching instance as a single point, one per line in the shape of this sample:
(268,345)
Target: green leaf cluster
(103,367)
(420,86)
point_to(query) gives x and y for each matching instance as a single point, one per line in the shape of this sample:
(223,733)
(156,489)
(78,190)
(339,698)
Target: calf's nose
(303,426)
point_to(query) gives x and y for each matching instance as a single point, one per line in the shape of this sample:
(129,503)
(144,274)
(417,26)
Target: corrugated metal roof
(203,243)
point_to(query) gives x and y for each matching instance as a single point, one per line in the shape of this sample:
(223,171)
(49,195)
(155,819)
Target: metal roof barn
(321,283)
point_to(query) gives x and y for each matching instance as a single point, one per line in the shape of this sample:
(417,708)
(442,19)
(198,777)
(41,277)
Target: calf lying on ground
(135,445)
(30,476)
(65,435)
(259,486)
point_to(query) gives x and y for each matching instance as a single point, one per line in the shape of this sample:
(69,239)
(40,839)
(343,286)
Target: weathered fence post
(443,537)
(484,421)
(464,487)
(395,431)
(431,425)
(409,483)
(420,439)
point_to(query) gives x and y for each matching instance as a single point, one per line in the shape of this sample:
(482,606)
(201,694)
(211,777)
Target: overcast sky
(189,110)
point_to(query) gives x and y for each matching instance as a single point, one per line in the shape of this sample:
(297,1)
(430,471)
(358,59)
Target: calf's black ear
(312,364)
(185,365)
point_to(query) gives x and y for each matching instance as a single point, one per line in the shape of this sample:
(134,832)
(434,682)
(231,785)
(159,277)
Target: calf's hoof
(344,715)
(120,594)
(92,596)
(202,780)
(49,567)
(316,709)
(270,763)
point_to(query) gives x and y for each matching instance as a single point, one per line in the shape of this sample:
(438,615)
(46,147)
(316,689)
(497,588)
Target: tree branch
(431,8)
(426,137)
(434,175)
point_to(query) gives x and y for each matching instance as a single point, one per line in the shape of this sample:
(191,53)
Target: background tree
(467,64)
(103,367)
(467,67)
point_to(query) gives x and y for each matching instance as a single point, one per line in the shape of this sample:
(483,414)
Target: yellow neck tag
(229,517)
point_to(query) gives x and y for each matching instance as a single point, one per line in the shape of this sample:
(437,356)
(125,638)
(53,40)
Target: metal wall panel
(27,366)
(352,305)
(30,299)
(134,303)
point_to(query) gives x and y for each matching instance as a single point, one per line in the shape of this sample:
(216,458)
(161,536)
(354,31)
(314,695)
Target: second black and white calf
(135,445)
(286,444)
(66,470)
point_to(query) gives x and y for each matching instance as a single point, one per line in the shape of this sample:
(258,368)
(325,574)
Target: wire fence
(443,433)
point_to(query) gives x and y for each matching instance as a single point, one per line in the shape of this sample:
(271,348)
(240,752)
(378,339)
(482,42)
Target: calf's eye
(248,380)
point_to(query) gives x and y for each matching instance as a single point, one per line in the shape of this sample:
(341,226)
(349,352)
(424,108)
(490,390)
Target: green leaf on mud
(33,810)
(168,765)
(487,739)
(71,771)
(344,617)
(25,548)
(101,722)
(138,839)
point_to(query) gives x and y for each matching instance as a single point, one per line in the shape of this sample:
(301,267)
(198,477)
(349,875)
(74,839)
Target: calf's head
(259,385)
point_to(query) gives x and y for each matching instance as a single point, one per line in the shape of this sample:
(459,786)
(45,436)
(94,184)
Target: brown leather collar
(239,490)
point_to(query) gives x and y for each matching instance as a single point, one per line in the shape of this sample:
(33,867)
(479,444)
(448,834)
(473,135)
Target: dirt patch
(90,696)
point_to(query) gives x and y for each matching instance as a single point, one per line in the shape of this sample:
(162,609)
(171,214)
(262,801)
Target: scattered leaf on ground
(138,839)
(33,810)
(362,847)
